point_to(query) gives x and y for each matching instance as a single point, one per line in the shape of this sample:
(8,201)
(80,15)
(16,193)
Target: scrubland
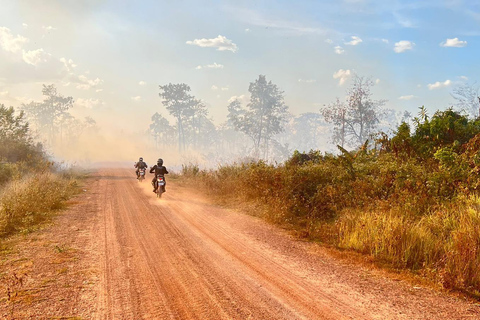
(410,201)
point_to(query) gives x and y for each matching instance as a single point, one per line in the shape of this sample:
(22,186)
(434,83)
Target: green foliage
(413,204)
(16,143)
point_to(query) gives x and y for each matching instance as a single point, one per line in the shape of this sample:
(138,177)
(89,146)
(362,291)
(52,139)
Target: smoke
(94,148)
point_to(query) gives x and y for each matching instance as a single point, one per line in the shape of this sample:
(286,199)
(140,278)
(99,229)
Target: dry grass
(26,203)
(437,238)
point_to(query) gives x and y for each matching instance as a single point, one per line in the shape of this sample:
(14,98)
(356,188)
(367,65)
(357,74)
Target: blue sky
(112,55)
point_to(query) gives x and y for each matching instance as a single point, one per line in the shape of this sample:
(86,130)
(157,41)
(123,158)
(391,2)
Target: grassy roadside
(394,221)
(29,201)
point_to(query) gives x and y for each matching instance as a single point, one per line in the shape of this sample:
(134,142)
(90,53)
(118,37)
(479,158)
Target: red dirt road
(180,257)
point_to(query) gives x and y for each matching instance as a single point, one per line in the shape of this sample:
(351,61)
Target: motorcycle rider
(158,169)
(140,165)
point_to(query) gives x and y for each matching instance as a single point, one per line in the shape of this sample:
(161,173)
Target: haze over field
(112,56)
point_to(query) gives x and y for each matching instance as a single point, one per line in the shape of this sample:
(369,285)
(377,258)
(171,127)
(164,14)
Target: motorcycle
(160,185)
(141,174)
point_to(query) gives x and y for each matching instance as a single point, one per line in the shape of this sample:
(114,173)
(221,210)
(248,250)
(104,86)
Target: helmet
(160,162)
(141,159)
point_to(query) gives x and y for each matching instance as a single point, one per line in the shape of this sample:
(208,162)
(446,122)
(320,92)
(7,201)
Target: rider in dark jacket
(158,169)
(140,165)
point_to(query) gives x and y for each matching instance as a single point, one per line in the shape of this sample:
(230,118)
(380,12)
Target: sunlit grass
(391,211)
(26,202)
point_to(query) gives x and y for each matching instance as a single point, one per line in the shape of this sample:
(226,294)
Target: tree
(336,113)
(307,131)
(263,117)
(356,119)
(161,129)
(47,115)
(16,143)
(468,99)
(182,106)
(196,123)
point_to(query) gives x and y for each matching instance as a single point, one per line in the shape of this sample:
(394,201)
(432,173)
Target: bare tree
(467,99)
(358,117)
(336,113)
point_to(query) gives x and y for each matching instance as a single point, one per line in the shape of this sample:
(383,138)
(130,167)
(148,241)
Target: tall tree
(180,104)
(358,117)
(264,115)
(47,115)
(161,129)
(197,121)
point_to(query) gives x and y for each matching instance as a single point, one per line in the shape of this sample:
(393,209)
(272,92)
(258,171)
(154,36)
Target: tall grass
(398,211)
(29,201)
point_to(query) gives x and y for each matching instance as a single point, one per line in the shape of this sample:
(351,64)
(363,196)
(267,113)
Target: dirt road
(180,257)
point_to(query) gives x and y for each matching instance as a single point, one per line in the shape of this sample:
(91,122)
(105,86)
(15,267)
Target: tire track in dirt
(180,258)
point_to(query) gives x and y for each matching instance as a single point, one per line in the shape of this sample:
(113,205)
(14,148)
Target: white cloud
(35,57)
(210,66)
(454,43)
(220,42)
(339,50)
(307,81)
(69,65)
(99,90)
(85,83)
(214,87)
(385,41)
(247,30)
(330,41)
(137,98)
(403,46)
(355,40)
(89,103)
(142,83)
(224,88)
(82,82)
(409,97)
(342,75)
(3,93)
(439,84)
(377,81)
(24,25)
(9,42)
(464,78)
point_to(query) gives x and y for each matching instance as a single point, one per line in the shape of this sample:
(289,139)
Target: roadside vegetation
(31,187)
(410,200)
